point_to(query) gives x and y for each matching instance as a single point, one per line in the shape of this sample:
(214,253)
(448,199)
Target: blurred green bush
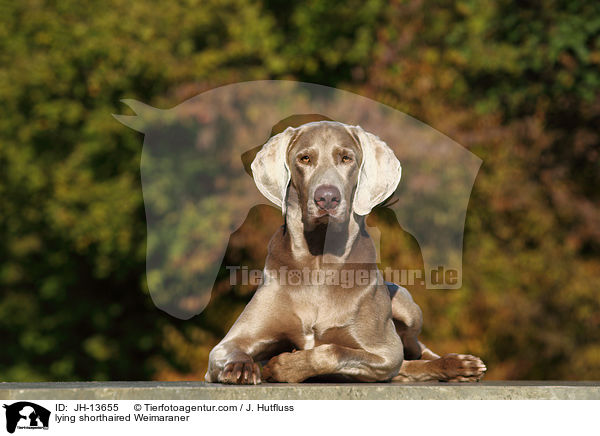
(515,82)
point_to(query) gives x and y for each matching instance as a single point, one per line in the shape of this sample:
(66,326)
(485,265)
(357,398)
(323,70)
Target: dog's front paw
(284,368)
(241,373)
(460,367)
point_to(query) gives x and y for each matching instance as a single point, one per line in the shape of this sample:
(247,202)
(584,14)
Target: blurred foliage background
(517,83)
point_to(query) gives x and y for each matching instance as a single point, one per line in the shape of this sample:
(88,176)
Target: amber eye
(305,159)
(346,159)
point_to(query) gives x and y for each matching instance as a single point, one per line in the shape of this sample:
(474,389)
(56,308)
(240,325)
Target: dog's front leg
(229,364)
(255,333)
(332,359)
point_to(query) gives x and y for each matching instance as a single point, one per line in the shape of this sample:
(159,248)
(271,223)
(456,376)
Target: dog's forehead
(324,135)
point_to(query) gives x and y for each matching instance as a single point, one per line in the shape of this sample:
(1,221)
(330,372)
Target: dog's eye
(305,159)
(346,159)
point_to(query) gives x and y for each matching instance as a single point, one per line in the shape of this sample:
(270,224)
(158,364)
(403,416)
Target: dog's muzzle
(327,198)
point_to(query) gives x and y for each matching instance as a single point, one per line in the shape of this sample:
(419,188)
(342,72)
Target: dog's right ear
(270,169)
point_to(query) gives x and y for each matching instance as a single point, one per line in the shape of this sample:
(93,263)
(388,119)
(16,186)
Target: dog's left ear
(270,169)
(379,173)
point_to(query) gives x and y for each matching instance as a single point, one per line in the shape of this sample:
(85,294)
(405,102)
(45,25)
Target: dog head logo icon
(27,415)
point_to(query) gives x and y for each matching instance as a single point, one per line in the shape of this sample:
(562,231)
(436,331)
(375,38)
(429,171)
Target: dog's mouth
(322,218)
(316,216)
(324,213)
(326,217)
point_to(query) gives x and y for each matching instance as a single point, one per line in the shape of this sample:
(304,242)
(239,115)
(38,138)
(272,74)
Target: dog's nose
(327,197)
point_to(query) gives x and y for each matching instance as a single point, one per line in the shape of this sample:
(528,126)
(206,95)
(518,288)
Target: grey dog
(327,177)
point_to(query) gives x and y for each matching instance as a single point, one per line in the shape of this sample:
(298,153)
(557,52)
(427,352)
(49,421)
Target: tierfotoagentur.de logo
(25,415)
(198,188)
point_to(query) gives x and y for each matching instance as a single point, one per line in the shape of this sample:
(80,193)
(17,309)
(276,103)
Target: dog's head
(334,168)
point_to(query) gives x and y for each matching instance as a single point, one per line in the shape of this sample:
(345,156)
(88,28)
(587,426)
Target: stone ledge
(375,391)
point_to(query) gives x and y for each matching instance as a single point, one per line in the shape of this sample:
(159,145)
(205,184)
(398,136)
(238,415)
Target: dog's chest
(325,321)
(309,340)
